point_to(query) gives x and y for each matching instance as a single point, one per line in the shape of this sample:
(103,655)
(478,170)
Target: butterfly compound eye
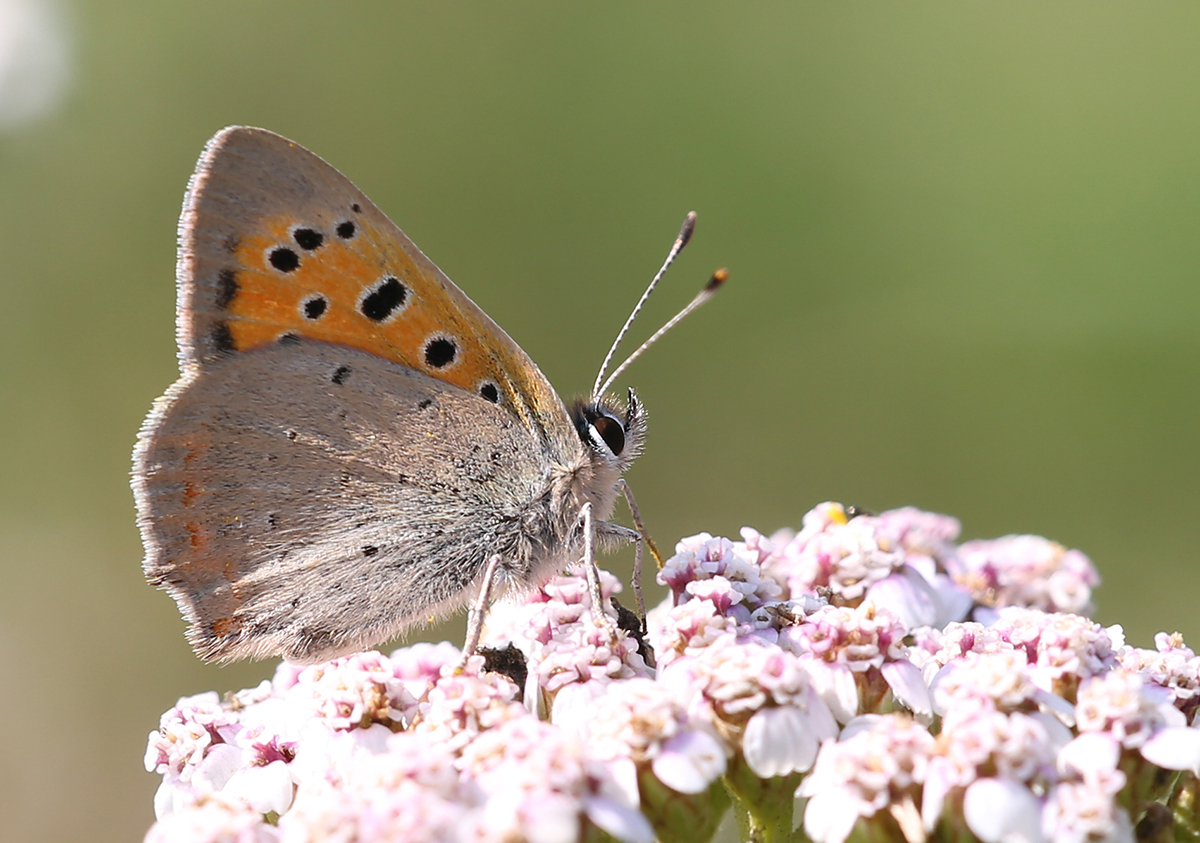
(611,432)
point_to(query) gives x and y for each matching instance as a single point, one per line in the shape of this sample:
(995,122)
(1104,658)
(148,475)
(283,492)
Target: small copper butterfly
(352,446)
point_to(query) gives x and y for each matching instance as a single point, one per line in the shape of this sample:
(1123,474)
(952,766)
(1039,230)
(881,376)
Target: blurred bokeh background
(964,244)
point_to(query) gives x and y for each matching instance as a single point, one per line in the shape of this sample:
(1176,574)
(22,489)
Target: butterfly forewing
(277,244)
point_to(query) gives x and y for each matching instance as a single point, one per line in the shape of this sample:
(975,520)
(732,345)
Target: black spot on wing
(345,230)
(222,339)
(308,238)
(315,306)
(227,288)
(341,375)
(440,352)
(284,259)
(384,299)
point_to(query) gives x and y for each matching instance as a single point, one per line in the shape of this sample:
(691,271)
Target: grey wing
(310,500)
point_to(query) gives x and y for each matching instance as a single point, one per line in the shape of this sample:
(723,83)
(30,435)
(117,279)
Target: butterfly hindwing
(319,527)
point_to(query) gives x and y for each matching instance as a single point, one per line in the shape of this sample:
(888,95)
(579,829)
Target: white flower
(354,691)
(1003,811)
(1126,706)
(1174,748)
(266,789)
(1027,571)
(1083,812)
(644,721)
(845,555)
(761,700)
(213,820)
(878,761)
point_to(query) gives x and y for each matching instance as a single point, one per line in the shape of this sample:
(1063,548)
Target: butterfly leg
(636,514)
(599,616)
(643,536)
(478,610)
(637,583)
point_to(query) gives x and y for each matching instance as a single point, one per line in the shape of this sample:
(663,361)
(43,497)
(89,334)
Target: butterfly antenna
(710,290)
(685,234)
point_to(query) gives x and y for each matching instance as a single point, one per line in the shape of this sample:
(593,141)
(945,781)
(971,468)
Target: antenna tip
(718,278)
(686,230)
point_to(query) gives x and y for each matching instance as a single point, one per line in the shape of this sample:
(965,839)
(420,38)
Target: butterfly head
(612,436)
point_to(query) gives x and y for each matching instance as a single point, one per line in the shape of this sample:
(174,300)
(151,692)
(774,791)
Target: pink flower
(934,649)
(645,722)
(540,784)
(1126,706)
(928,534)
(760,700)
(689,628)
(1063,649)
(204,748)
(724,572)
(1172,665)
(997,681)
(355,692)
(855,658)
(420,664)
(1083,805)
(410,792)
(845,555)
(1027,571)
(557,631)
(186,733)
(459,706)
(879,761)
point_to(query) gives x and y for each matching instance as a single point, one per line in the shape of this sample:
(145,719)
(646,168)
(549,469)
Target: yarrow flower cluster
(867,677)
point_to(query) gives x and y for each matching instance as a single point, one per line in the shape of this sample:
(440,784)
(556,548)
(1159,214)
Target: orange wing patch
(346,283)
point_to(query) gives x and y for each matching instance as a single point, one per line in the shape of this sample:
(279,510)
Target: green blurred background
(964,244)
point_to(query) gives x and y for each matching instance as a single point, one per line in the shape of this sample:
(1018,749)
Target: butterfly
(353,446)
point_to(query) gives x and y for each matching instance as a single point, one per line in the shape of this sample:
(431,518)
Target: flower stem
(679,817)
(762,807)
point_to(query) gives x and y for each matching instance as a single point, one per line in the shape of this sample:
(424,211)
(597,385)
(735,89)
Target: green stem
(679,817)
(762,807)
